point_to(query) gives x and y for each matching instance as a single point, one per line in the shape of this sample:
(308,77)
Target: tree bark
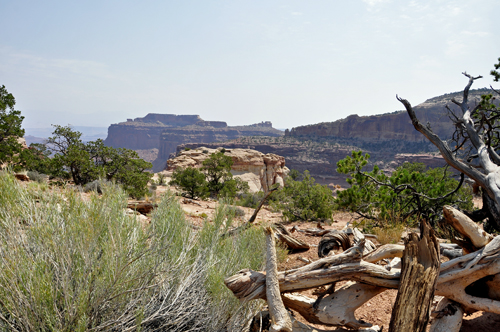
(419,274)
(279,316)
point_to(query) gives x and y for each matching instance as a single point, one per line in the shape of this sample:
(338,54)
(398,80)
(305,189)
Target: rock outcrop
(259,170)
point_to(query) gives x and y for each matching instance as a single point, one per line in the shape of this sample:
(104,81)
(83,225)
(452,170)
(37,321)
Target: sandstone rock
(260,170)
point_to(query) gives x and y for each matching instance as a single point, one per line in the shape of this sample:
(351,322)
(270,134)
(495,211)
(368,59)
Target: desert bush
(72,265)
(35,176)
(303,200)
(96,186)
(161,179)
(389,234)
(238,212)
(190,181)
(250,200)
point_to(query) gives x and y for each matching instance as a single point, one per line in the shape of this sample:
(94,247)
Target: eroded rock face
(260,170)
(144,133)
(389,127)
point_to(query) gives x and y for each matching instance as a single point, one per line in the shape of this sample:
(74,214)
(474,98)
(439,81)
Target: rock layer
(394,126)
(260,170)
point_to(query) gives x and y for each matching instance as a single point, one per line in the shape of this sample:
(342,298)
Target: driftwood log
(419,272)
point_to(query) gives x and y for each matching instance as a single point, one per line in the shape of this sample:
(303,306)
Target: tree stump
(419,273)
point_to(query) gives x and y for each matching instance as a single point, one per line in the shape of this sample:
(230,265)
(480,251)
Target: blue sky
(93,63)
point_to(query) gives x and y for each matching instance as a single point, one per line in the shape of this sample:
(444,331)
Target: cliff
(163,132)
(388,131)
(144,133)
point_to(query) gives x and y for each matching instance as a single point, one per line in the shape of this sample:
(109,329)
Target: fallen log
(419,273)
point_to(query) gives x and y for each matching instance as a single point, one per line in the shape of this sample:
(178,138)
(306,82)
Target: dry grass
(389,234)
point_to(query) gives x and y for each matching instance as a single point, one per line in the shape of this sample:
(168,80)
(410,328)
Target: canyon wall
(374,132)
(144,133)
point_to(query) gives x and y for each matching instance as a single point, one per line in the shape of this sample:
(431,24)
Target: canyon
(389,138)
(156,136)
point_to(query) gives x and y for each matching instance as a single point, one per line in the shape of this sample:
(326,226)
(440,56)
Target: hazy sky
(94,63)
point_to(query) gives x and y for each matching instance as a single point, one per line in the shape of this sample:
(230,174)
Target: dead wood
(336,309)
(369,246)
(333,240)
(419,273)
(447,317)
(254,215)
(279,316)
(283,235)
(466,227)
(385,251)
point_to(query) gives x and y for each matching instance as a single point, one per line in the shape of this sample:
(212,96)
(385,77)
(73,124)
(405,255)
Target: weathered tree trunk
(279,316)
(419,274)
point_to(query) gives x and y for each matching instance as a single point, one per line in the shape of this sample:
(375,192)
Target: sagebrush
(67,264)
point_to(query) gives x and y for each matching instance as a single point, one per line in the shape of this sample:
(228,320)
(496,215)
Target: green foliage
(304,200)
(74,265)
(161,179)
(190,181)
(251,200)
(65,155)
(495,73)
(10,127)
(217,169)
(409,193)
(38,177)
(215,178)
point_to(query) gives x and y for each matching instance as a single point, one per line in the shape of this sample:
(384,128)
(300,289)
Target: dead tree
(419,272)
(483,165)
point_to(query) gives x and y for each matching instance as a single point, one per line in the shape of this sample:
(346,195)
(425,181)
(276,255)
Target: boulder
(259,170)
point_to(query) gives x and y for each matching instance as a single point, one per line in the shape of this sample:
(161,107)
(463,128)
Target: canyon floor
(377,311)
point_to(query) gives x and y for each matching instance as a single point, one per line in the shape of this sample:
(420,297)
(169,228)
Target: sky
(294,62)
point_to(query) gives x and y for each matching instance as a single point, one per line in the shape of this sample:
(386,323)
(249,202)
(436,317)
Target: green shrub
(35,176)
(72,265)
(303,200)
(410,193)
(190,181)
(238,212)
(251,200)
(161,179)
